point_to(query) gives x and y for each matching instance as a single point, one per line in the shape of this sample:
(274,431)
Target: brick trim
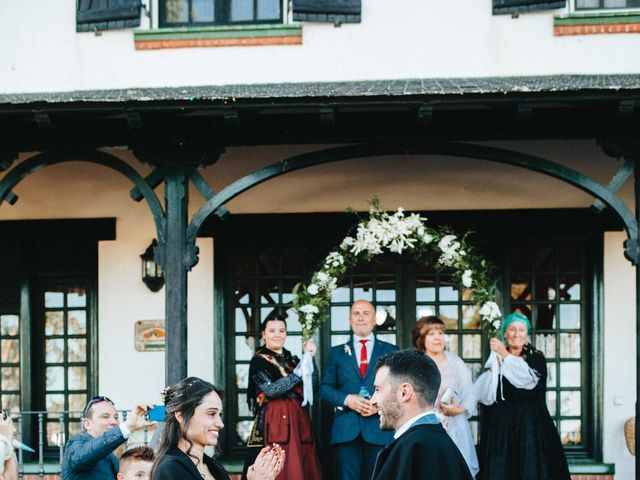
(218,42)
(559,30)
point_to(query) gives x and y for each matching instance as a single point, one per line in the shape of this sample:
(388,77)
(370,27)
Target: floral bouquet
(398,233)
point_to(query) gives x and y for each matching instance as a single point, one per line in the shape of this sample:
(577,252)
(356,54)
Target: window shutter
(332,11)
(95,15)
(523,6)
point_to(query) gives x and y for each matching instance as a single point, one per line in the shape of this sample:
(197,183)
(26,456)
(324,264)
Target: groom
(406,387)
(347,385)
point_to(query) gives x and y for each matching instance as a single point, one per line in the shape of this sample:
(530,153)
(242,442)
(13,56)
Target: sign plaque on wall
(149,335)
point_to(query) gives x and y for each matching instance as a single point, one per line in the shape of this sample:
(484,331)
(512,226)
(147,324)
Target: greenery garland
(398,233)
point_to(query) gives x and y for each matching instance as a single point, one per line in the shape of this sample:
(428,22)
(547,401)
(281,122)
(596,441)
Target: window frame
(221,15)
(602,9)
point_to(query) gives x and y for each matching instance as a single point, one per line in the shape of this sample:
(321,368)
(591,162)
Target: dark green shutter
(93,15)
(523,6)
(332,11)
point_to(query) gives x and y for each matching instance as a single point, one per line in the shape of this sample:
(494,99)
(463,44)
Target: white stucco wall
(41,51)
(620,354)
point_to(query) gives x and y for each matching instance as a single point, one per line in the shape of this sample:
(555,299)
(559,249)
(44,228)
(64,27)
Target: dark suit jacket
(176,465)
(423,452)
(340,378)
(92,458)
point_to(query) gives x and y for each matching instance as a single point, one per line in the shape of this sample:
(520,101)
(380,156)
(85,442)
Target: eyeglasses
(95,400)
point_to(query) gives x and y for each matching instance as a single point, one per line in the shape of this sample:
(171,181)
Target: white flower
(322,277)
(313,289)
(334,259)
(347,243)
(308,308)
(466,278)
(427,239)
(347,349)
(496,323)
(490,312)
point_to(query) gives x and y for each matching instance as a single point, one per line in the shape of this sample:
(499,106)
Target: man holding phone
(89,456)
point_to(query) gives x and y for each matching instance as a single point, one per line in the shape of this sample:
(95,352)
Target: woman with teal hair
(518,438)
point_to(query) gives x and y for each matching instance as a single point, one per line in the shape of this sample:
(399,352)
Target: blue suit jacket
(92,458)
(340,378)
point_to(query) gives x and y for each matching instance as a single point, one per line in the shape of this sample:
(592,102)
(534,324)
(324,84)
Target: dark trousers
(355,460)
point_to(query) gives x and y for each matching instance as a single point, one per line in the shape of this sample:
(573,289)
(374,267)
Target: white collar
(370,338)
(407,425)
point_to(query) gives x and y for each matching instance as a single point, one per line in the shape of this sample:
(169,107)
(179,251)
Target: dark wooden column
(637,265)
(175,272)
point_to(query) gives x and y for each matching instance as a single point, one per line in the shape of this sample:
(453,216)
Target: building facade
(248,128)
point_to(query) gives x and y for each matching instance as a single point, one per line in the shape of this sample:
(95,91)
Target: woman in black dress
(519,440)
(193,422)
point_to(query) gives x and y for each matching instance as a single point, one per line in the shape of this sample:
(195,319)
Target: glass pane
(387,337)
(11,402)
(74,428)
(467,295)
(244,348)
(54,323)
(386,291)
(363,293)
(177,11)
(520,289)
(54,350)
(242,376)
(451,343)
(546,287)
(241,10)
(476,370)
(243,299)
(55,378)
(340,318)
(471,317)
(448,293)
(77,298)
(293,343)
(293,321)
(268,291)
(9,325)
(77,402)
(243,408)
(570,432)
(425,311)
(386,318)
(615,3)
(551,402)
(340,294)
(546,343)
(53,299)
(10,351)
(77,378)
(10,378)
(587,3)
(202,10)
(54,434)
(546,318)
(243,429)
(77,322)
(268,9)
(551,374)
(339,339)
(545,260)
(243,319)
(471,346)
(570,374)
(449,315)
(570,345)
(570,316)
(426,291)
(570,404)
(570,288)
(55,402)
(77,349)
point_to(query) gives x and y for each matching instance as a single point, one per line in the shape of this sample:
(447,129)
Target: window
(552,280)
(606,4)
(547,284)
(10,361)
(219,12)
(65,356)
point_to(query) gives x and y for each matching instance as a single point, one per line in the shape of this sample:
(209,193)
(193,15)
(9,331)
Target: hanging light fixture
(152,274)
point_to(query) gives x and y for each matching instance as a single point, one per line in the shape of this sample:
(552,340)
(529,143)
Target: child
(136,463)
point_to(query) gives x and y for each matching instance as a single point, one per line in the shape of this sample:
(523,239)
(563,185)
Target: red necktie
(363,358)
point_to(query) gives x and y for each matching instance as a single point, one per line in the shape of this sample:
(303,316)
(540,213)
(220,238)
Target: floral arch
(399,233)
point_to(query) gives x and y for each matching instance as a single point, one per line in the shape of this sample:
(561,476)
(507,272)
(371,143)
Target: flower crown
(166,395)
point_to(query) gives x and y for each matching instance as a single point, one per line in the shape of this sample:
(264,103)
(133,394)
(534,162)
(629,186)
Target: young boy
(136,464)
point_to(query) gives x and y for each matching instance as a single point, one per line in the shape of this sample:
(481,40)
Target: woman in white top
(456,401)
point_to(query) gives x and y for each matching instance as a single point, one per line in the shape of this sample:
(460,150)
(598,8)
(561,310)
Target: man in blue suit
(89,456)
(347,385)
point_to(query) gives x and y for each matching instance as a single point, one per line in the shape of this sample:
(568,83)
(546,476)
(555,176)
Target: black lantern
(152,274)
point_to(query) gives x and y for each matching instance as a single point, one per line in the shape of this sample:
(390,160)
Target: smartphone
(157,413)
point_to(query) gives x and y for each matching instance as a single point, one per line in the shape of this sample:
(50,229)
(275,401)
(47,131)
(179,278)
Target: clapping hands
(268,464)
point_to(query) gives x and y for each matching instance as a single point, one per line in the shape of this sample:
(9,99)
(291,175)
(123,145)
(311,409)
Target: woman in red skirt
(275,394)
